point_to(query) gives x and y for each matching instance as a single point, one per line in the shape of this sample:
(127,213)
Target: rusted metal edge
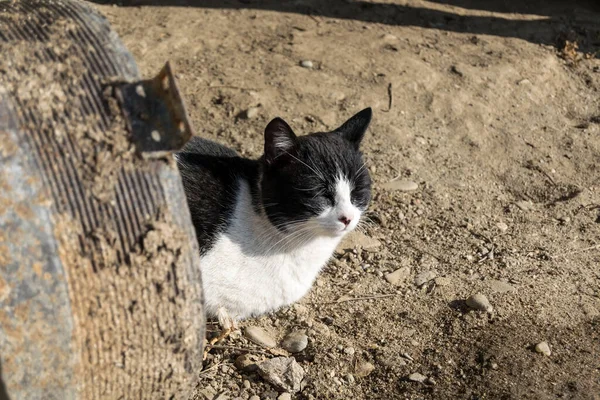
(156,114)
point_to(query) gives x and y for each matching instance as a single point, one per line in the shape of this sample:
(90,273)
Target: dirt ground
(496,117)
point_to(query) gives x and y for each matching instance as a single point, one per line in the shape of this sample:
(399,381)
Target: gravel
(295,342)
(500,286)
(306,64)
(402,185)
(424,277)
(502,226)
(364,369)
(543,348)
(417,377)
(250,113)
(259,336)
(283,373)
(525,205)
(357,239)
(246,362)
(398,276)
(479,302)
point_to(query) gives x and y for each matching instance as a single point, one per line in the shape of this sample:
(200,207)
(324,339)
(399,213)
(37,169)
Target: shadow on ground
(3,393)
(557,20)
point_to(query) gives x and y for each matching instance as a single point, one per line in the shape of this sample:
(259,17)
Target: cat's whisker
(286,239)
(367,224)
(309,236)
(306,189)
(360,229)
(362,226)
(319,175)
(364,165)
(317,168)
(301,240)
(319,193)
(265,205)
(276,234)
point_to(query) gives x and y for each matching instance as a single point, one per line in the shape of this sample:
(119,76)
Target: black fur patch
(210,174)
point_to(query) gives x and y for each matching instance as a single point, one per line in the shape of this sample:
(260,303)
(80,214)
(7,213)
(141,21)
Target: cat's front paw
(226,321)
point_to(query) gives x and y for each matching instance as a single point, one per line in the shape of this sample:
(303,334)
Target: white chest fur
(253,268)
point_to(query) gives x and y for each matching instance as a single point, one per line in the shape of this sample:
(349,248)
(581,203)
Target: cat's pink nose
(345,220)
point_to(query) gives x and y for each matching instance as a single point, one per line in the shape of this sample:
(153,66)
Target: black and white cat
(266,227)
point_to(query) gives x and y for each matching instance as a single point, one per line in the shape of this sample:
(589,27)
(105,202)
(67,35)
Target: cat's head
(317,184)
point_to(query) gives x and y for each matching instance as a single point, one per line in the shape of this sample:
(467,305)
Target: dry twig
(390,98)
(247,350)
(378,296)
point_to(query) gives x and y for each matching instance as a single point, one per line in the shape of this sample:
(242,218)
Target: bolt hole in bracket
(155,114)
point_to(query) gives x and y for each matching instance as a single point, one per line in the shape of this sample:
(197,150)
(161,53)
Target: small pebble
(500,286)
(525,205)
(443,281)
(417,377)
(246,362)
(300,309)
(350,378)
(247,384)
(207,393)
(358,239)
(254,397)
(155,136)
(543,348)
(283,373)
(389,37)
(269,395)
(306,64)
(349,350)
(564,220)
(285,396)
(479,302)
(424,277)
(259,336)
(250,113)
(502,226)
(402,185)
(295,342)
(398,276)
(139,89)
(364,369)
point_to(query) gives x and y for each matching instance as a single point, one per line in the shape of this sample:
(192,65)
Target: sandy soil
(493,115)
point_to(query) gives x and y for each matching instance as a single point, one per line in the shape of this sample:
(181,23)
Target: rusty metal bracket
(155,113)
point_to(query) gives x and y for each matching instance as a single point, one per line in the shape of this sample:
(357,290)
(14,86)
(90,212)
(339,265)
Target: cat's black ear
(354,129)
(279,138)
